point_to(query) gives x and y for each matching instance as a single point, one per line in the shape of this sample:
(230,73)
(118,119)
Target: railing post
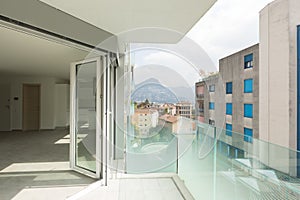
(215,163)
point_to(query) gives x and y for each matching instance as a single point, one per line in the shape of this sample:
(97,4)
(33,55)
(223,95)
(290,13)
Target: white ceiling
(24,54)
(119,16)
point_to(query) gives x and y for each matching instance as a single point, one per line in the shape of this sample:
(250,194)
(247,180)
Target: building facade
(229,100)
(279,80)
(199,103)
(184,109)
(143,120)
(240,75)
(209,106)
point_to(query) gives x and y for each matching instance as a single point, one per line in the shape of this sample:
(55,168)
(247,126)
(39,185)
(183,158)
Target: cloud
(229,26)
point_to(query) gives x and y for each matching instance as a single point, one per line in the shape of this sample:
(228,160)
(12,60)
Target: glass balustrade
(220,166)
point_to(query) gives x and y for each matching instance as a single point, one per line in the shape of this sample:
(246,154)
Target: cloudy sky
(229,26)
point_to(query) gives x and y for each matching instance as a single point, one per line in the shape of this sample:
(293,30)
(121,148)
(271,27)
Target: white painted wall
(278,79)
(274,72)
(62,105)
(47,100)
(278,60)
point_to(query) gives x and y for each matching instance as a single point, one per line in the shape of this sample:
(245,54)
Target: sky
(229,26)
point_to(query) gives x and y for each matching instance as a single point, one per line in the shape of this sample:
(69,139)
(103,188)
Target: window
(228,108)
(229,129)
(229,88)
(248,61)
(248,110)
(211,106)
(248,86)
(211,88)
(248,134)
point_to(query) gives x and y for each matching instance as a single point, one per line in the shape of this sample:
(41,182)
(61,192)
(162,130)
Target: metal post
(215,162)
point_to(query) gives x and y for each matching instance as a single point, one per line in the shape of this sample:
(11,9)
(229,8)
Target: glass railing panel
(195,166)
(151,150)
(219,165)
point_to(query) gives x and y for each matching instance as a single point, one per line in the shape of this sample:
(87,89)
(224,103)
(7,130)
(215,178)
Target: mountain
(154,91)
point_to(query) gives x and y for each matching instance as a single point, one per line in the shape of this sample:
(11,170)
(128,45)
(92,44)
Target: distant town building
(184,109)
(178,124)
(167,108)
(143,120)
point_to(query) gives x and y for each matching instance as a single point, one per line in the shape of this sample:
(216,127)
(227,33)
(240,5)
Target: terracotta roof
(169,118)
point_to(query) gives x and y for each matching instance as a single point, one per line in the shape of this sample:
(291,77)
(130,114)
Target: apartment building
(229,100)
(236,85)
(199,107)
(262,89)
(184,109)
(209,106)
(240,75)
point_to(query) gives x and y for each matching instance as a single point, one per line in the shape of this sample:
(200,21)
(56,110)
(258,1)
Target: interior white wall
(62,106)
(48,107)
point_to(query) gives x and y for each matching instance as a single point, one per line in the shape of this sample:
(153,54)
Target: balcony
(204,163)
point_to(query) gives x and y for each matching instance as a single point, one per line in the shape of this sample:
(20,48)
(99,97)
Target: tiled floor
(150,188)
(133,189)
(34,165)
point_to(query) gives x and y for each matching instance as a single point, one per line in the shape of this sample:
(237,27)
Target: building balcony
(200,96)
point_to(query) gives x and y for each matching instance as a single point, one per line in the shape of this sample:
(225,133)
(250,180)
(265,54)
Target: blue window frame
(229,129)
(248,86)
(248,134)
(229,88)
(248,61)
(228,108)
(248,110)
(211,105)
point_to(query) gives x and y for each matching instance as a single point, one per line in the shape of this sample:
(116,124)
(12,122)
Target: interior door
(31,107)
(87,122)
(5,107)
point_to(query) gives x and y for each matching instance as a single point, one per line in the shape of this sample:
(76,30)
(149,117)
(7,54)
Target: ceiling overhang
(36,14)
(97,22)
(121,16)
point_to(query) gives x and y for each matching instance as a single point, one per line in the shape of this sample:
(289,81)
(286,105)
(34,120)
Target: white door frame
(101,119)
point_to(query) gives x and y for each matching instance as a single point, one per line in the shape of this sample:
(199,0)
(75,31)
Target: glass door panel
(86,116)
